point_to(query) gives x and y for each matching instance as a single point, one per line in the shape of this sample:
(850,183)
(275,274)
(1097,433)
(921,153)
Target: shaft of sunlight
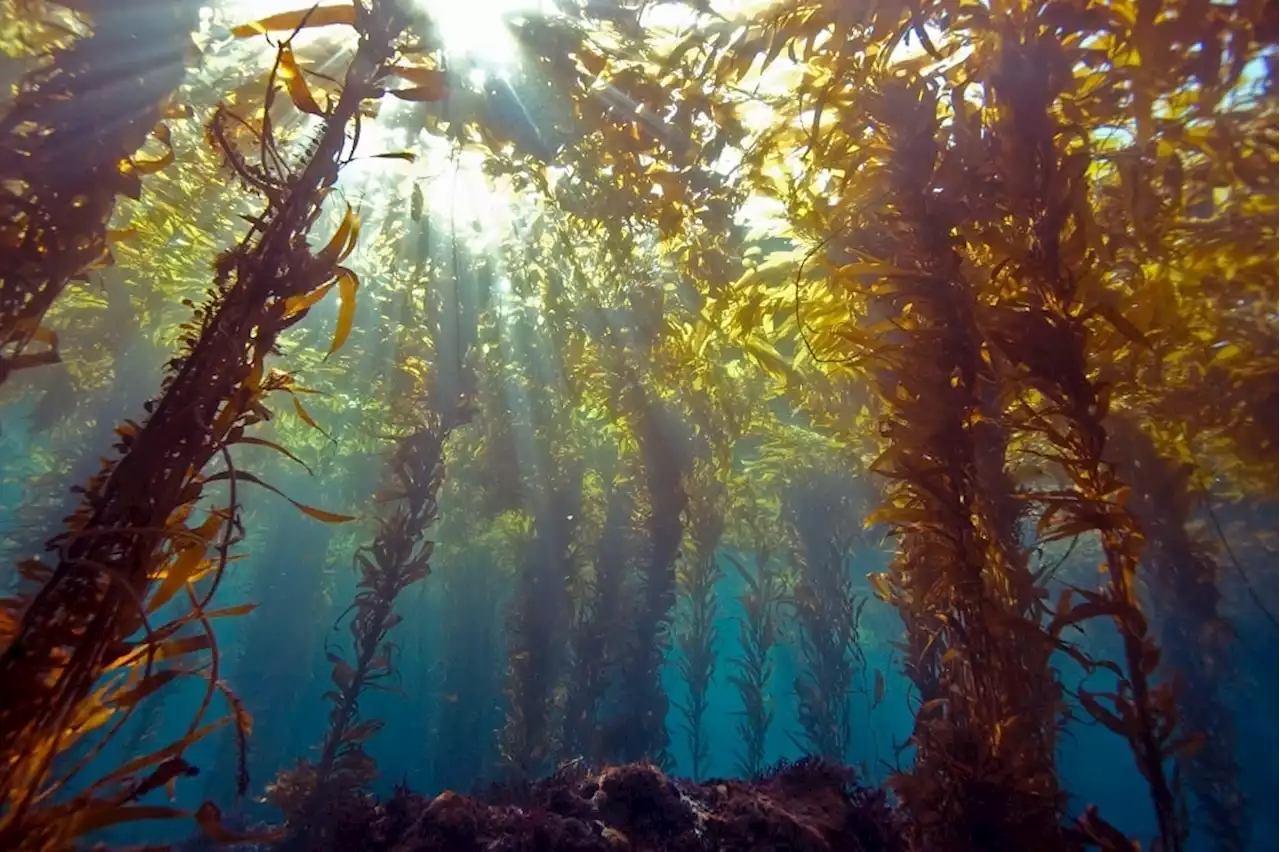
(477,29)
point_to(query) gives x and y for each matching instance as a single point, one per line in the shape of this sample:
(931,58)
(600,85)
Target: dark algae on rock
(809,806)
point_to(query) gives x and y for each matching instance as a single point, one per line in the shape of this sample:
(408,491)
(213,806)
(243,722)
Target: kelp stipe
(823,521)
(1042,331)
(753,670)
(67,150)
(1183,582)
(129,549)
(696,580)
(593,642)
(984,772)
(543,608)
(313,796)
(641,732)
(538,622)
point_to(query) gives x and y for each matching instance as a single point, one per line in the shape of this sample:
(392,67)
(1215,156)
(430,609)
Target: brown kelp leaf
(229,611)
(263,442)
(1100,714)
(296,84)
(209,818)
(314,16)
(432,85)
(348,283)
(311,511)
(174,749)
(343,674)
(100,816)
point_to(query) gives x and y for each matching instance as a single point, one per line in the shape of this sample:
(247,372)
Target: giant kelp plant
(778,348)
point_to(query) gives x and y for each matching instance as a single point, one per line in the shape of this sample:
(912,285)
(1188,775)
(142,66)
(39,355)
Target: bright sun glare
(477,28)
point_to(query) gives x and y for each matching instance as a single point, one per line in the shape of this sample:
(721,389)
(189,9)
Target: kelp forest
(655,425)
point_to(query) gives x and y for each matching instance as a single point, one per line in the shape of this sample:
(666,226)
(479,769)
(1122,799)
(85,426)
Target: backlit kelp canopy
(643,302)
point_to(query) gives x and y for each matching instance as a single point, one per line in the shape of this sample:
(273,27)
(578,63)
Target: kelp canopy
(896,378)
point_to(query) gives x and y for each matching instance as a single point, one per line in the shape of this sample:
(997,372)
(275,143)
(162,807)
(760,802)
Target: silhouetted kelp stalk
(312,795)
(1183,584)
(639,724)
(67,148)
(984,773)
(828,614)
(1042,329)
(696,579)
(542,612)
(593,644)
(757,635)
(129,549)
(540,615)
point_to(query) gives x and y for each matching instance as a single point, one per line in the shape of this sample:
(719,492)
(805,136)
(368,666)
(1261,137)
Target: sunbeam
(478,30)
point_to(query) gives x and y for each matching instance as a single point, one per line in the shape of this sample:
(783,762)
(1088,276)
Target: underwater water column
(275,649)
(463,747)
(65,147)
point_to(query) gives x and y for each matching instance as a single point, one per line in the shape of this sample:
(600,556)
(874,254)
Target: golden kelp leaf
(315,16)
(122,235)
(348,283)
(186,563)
(296,84)
(432,86)
(343,241)
(149,685)
(305,415)
(147,167)
(880,585)
(311,511)
(295,305)
(767,357)
(897,516)
(183,646)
